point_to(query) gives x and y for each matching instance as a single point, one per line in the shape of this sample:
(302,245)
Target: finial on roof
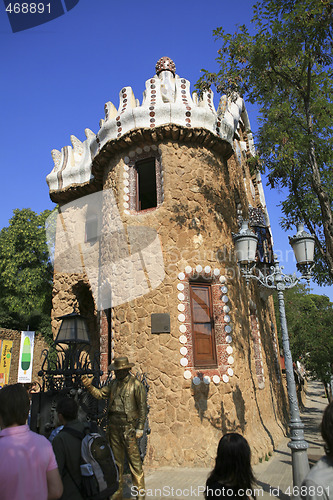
(165,64)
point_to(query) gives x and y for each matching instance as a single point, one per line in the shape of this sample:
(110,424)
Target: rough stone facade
(143,262)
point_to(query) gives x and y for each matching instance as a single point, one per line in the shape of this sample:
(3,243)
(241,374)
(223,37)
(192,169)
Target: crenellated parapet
(72,165)
(167,100)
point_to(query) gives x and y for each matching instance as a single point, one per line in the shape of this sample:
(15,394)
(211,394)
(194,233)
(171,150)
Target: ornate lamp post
(70,358)
(303,247)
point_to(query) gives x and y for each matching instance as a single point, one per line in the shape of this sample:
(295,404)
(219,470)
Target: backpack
(99,472)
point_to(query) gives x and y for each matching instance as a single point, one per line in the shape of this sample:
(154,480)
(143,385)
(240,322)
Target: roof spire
(165,64)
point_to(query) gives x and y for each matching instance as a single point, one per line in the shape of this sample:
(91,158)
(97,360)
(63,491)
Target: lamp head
(303,245)
(246,243)
(73,330)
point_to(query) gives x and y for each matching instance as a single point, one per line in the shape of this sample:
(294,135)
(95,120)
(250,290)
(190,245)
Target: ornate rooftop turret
(167,100)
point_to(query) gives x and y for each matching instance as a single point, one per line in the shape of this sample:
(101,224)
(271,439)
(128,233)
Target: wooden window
(204,350)
(146,184)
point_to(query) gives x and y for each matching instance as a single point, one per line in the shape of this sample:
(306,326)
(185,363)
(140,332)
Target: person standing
(318,484)
(67,448)
(28,467)
(127,411)
(232,476)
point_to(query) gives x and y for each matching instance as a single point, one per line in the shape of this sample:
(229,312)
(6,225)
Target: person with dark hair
(67,448)
(28,469)
(318,483)
(232,476)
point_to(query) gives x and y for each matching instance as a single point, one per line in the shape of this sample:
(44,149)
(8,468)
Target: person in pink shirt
(28,468)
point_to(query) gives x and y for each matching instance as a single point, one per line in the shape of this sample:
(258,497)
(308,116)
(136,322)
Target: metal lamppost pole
(303,246)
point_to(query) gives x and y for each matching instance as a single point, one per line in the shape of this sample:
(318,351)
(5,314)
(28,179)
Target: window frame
(134,185)
(139,163)
(212,362)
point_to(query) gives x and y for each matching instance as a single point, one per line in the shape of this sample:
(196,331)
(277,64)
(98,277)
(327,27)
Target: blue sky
(56,78)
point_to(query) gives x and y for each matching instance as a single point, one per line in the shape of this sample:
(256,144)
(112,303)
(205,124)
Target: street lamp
(303,247)
(73,330)
(64,363)
(70,357)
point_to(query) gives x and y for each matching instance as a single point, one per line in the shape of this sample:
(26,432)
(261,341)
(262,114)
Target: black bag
(99,472)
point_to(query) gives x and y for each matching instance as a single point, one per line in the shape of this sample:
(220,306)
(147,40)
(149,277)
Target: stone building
(143,248)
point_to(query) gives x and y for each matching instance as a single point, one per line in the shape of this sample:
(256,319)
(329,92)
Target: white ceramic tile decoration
(167,100)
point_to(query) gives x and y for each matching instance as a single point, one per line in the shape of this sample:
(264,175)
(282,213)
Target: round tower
(144,249)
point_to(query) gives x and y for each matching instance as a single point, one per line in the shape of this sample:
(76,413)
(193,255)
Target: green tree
(310,319)
(25,273)
(285,66)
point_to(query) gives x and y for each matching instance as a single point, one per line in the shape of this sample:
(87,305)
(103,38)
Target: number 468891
(28,8)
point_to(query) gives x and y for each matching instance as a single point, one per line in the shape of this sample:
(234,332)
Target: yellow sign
(6,356)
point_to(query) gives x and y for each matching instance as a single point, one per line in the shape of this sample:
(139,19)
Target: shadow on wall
(240,407)
(86,306)
(223,423)
(200,393)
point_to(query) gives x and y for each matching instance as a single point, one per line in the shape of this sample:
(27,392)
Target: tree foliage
(285,66)
(310,319)
(25,273)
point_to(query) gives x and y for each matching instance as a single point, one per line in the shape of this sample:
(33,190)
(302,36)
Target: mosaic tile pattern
(167,100)
(129,177)
(222,326)
(258,359)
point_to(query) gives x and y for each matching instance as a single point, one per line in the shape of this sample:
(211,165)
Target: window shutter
(204,349)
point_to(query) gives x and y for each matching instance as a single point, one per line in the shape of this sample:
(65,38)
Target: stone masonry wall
(191,408)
